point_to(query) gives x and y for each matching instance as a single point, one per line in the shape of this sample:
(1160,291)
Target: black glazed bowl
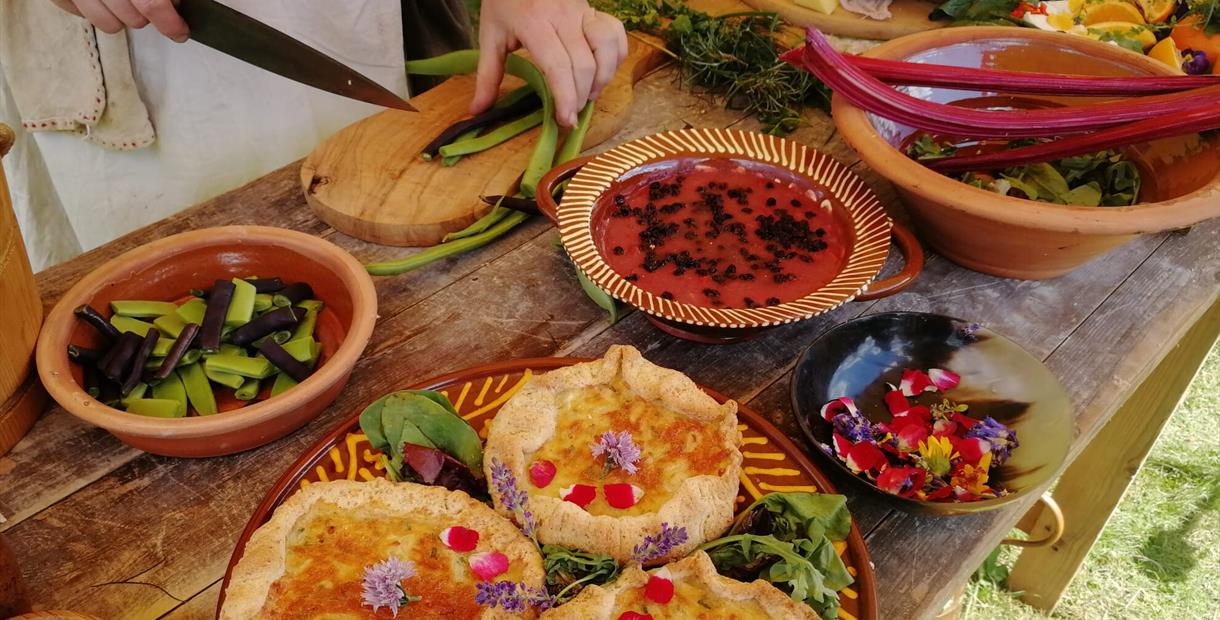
(998,379)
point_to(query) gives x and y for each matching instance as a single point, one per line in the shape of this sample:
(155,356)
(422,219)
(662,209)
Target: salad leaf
(975,11)
(789,516)
(420,418)
(568,571)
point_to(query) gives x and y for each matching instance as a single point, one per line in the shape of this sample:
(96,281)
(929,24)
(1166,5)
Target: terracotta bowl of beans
(718,234)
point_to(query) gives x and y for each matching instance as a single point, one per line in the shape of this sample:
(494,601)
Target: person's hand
(577,49)
(111,16)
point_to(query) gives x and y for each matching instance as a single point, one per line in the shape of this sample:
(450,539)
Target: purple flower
(511,596)
(1195,63)
(1002,439)
(620,451)
(513,499)
(855,427)
(383,584)
(967,330)
(658,546)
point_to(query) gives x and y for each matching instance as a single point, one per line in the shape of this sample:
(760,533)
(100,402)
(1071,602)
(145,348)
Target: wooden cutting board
(369,182)
(909,16)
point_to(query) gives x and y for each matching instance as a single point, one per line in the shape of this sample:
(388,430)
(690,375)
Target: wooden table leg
(1094,483)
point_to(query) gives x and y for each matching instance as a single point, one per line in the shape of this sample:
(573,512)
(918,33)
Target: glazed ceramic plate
(998,379)
(841,197)
(772,463)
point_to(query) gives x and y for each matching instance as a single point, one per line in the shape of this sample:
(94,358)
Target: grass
(1159,555)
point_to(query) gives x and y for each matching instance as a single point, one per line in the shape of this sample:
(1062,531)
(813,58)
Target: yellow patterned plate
(771,463)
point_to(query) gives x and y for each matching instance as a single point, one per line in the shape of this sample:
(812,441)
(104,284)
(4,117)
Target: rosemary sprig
(733,56)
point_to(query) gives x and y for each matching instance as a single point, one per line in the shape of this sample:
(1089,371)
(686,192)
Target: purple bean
(87,314)
(184,341)
(137,368)
(284,361)
(214,317)
(270,322)
(293,294)
(118,361)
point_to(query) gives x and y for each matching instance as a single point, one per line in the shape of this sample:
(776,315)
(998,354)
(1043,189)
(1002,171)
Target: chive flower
(511,596)
(512,498)
(383,584)
(620,451)
(657,546)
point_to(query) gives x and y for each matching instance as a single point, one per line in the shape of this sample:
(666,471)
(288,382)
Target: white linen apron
(219,123)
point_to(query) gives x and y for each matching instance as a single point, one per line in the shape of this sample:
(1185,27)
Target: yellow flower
(936,454)
(973,478)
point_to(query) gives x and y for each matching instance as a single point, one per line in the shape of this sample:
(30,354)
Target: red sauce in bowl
(722,233)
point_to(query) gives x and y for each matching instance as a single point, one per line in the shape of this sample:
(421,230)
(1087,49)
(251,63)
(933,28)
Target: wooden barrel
(21,309)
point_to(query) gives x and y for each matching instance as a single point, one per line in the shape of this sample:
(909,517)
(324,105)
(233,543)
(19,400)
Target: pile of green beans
(166,359)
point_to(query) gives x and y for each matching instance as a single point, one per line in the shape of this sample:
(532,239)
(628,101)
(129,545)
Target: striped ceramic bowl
(589,201)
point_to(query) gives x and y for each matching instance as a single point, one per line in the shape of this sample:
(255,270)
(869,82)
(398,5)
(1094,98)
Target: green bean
(161,349)
(254,367)
(306,327)
(241,308)
(155,408)
(574,143)
(128,324)
(515,95)
(198,390)
(171,325)
(444,250)
(599,297)
(453,159)
(311,304)
(488,220)
(304,350)
(142,309)
(500,134)
(188,357)
(282,383)
(192,311)
(279,337)
(226,379)
(262,302)
(248,390)
(136,393)
(171,388)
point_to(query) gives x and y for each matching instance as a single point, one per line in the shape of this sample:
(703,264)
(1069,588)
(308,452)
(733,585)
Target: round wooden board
(909,16)
(771,463)
(368,180)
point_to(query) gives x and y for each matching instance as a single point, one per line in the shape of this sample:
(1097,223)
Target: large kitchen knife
(245,38)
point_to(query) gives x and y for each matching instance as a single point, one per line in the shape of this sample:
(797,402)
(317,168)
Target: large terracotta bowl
(1009,236)
(166,269)
(586,215)
(859,358)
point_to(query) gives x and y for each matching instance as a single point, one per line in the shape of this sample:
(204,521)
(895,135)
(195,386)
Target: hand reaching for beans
(576,47)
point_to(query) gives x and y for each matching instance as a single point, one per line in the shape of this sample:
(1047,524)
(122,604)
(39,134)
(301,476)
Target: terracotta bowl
(1019,238)
(166,269)
(585,218)
(859,358)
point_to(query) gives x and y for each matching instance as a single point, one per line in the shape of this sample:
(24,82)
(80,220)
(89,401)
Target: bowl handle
(912,252)
(545,194)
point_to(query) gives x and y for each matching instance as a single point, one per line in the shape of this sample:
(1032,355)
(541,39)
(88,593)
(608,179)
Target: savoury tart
(311,558)
(690,588)
(563,434)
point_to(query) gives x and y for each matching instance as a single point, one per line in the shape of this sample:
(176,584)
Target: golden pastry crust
(601,602)
(703,504)
(265,556)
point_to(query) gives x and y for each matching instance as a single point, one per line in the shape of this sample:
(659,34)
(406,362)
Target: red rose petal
(488,565)
(971,449)
(659,589)
(842,445)
(944,379)
(579,494)
(542,473)
(902,481)
(944,427)
(896,402)
(633,615)
(459,538)
(963,420)
(622,495)
(837,406)
(909,437)
(865,457)
(915,382)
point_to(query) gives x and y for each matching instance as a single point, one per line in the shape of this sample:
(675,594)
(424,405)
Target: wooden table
(109,530)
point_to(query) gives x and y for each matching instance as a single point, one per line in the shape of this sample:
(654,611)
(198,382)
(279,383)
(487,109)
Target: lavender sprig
(513,499)
(657,546)
(383,584)
(620,451)
(512,596)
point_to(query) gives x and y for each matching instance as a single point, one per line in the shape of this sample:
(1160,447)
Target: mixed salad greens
(1106,178)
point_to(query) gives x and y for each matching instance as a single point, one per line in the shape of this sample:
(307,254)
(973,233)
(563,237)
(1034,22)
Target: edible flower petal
(915,382)
(383,584)
(1002,439)
(659,545)
(842,445)
(634,615)
(837,406)
(865,457)
(511,596)
(542,472)
(619,449)
(622,495)
(936,455)
(855,427)
(896,402)
(972,479)
(972,449)
(488,565)
(579,494)
(903,481)
(459,538)
(944,379)
(911,435)
(660,587)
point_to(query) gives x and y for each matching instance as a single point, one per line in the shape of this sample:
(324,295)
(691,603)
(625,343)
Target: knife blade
(245,38)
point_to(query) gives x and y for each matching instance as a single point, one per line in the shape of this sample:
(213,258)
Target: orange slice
(1110,11)
(1167,52)
(1108,31)
(1157,11)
